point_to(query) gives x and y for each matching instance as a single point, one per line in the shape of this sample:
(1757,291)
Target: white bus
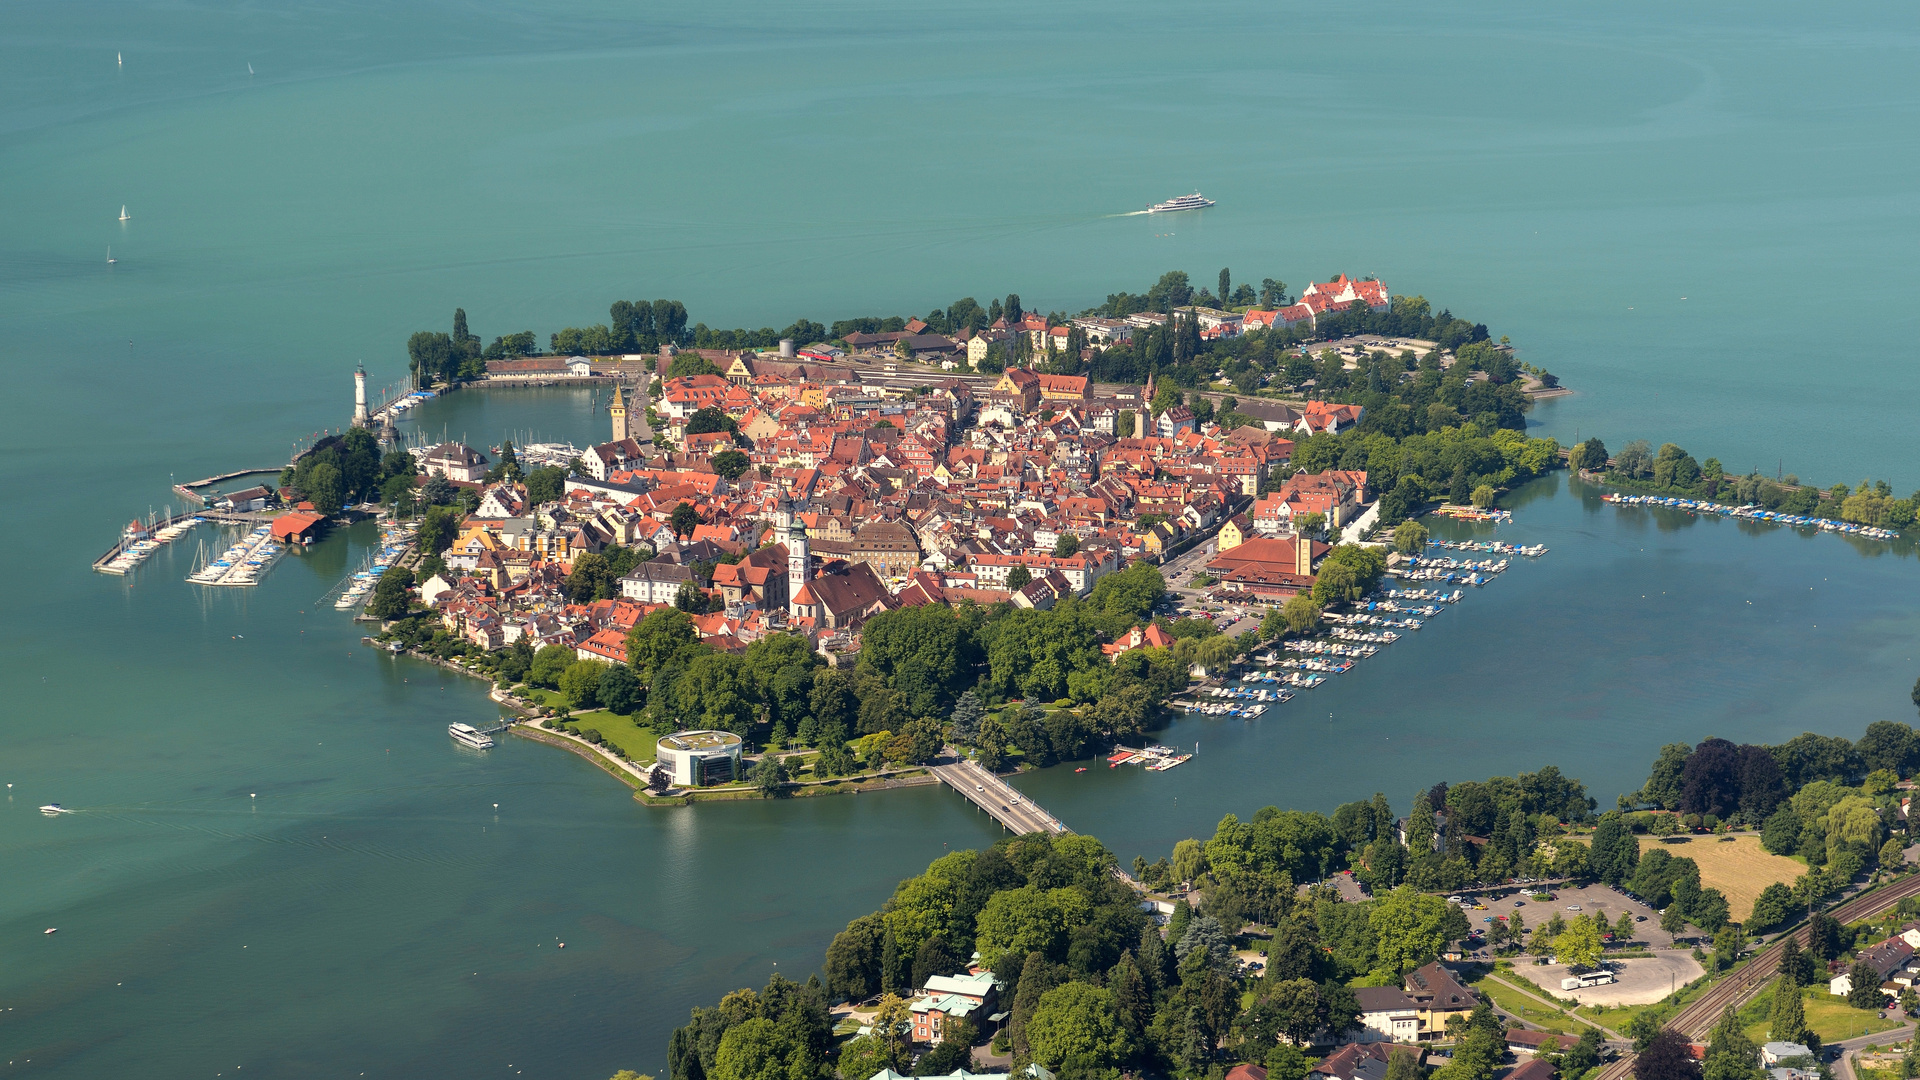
(1591,978)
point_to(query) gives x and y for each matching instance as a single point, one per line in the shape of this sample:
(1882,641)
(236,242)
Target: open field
(639,743)
(1515,1003)
(1739,867)
(1830,1017)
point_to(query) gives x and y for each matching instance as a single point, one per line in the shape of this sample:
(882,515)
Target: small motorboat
(51,930)
(1082,768)
(53,808)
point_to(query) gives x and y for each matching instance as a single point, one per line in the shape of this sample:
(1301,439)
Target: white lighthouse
(360,396)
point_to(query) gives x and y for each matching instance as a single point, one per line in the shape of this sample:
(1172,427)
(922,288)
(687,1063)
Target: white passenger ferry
(1195,201)
(465,735)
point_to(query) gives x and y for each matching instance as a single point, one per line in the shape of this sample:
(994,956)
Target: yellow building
(1235,532)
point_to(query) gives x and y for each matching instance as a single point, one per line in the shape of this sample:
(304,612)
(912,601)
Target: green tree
(581,682)
(966,718)
(715,691)
(1347,573)
(1066,546)
(1298,1009)
(620,690)
(1730,1054)
(852,964)
(1410,538)
(868,1055)
(549,663)
(390,596)
(1615,853)
(684,520)
(1579,945)
(770,774)
(660,638)
(1017,578)
(546,485)
(1288,1062)
(1665,1055)
(1076,1023)
(1773,907)
(926,652)
(438,529)
(323,488)
(1028,919)
(1864,990)
(1408,929)
(1788,1020)
(1483,496)
(1131,593)
(1301,614)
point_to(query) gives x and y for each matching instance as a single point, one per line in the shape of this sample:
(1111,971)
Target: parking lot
(1638,981)
(1568,902)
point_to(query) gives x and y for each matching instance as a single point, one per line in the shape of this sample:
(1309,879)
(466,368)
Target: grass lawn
(1526,1008)
(1830,1017)
(1739,867)
(550,698)
(640,743)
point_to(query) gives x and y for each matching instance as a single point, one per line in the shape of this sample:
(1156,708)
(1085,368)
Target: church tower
(797,565)
(619,411)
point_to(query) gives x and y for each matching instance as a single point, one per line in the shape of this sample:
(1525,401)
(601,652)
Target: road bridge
(998,798)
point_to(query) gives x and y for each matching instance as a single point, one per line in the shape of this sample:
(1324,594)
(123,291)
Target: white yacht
(53,808)
(465,735)
(1195,201)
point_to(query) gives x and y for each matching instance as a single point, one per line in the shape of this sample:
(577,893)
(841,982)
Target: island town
(1066,562)
(888,560)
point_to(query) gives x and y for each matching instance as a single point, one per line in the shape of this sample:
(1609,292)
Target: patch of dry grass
(1739,867)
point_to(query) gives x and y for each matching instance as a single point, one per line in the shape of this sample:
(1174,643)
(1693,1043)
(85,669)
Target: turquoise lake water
(281,862)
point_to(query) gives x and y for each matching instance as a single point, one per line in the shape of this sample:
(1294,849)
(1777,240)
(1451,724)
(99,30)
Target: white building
(701,758)
(1387,1014)
(455,461)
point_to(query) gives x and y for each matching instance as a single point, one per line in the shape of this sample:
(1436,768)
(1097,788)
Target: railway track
(1699,1016)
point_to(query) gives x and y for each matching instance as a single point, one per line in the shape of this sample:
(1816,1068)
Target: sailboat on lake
(110,259)
(124,216)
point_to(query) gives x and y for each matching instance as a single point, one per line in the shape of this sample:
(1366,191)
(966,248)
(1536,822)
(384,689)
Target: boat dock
(191,491)
(997,797)
(136,544)
(243,563)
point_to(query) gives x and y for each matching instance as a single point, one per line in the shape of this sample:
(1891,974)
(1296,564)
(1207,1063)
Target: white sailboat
(119,61)
(124,216)
(249,67)
(110,259)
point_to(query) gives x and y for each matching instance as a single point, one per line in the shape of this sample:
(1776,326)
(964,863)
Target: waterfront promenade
(1019,814)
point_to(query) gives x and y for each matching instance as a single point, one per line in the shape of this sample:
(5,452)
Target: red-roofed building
(1343,291)
(1152,637)
(609,645)
(1271,568)
(299,527)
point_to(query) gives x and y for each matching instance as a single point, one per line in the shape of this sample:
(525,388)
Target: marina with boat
(1151,758)
(396,538)
(141,539)
(1372,624)
(1751,512)
(240,564)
